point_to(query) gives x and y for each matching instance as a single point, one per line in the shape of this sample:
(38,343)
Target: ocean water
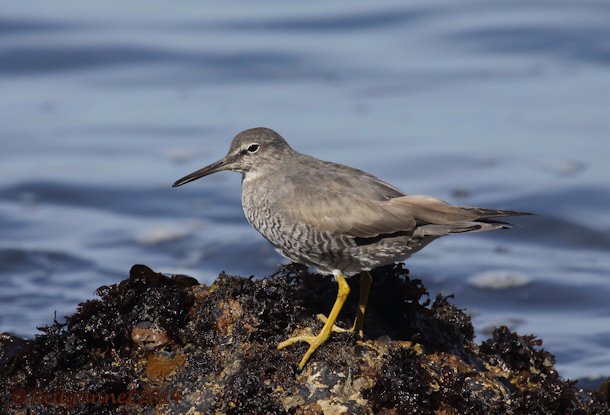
(103,104)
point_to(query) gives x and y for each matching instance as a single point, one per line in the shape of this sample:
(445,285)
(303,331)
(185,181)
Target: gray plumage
(334,217)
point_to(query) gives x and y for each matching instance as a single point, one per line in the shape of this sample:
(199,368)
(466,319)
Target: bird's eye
(253,148)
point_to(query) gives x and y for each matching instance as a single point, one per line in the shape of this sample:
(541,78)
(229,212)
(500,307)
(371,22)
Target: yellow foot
(338,329)
(314,343)
(357,328)
(329,323)
(334,328)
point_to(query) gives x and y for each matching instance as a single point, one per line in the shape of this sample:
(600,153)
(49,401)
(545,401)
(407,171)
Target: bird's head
(253,150)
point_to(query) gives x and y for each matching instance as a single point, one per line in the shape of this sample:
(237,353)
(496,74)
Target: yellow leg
(365,287)
(317,341)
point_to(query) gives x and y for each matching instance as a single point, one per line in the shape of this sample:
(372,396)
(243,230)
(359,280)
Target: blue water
(103,104)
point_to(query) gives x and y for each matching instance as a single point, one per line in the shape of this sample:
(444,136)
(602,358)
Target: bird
(335,218)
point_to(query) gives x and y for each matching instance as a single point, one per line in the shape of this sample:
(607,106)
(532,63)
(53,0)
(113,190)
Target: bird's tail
(460,227)
(483,213)
(483,223)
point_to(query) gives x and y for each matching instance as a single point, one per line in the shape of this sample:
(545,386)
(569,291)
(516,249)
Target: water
(499,104)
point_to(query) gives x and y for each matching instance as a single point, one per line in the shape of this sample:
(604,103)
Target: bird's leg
(317,341)
(365,287)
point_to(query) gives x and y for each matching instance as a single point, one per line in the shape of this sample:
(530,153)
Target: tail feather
(483,213)
(459,227)
(426,209)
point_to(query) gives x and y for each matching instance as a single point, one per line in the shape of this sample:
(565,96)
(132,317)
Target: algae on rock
(168,345)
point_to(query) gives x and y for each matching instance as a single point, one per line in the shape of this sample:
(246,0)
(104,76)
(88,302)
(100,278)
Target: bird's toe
(334,327)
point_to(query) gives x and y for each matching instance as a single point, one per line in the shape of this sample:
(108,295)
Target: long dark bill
(207,170)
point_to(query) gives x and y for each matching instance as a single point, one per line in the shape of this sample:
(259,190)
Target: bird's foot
(338,329)
(314,343)
(317,341)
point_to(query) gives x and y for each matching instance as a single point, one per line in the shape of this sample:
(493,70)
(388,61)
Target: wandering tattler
(335,218)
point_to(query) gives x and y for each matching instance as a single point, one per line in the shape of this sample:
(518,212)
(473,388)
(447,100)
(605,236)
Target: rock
(167,345)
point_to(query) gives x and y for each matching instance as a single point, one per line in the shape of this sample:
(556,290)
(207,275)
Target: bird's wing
(347,201)
(347,214)
(342,200)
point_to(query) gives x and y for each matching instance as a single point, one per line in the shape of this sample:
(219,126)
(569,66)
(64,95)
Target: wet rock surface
(165,344)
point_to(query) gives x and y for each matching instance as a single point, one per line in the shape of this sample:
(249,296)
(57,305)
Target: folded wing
(368,207)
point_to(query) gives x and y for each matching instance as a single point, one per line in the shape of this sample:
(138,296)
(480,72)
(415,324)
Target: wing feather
(357,204)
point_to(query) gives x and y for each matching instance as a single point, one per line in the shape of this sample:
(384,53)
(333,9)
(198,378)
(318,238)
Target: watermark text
(61,397)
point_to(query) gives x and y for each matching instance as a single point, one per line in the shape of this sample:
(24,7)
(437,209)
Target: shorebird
(337,219)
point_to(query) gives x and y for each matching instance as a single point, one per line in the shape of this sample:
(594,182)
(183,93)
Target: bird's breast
(269,216)
(255,202)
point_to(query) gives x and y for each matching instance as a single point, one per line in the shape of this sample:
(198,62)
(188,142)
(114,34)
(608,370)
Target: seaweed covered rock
(168,345)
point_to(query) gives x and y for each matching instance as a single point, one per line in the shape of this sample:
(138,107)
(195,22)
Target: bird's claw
(314,343)
(334,327)
(338,329)
(329,325)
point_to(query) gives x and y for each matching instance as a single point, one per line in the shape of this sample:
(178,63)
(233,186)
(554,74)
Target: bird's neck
(251,176)
(266,173)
